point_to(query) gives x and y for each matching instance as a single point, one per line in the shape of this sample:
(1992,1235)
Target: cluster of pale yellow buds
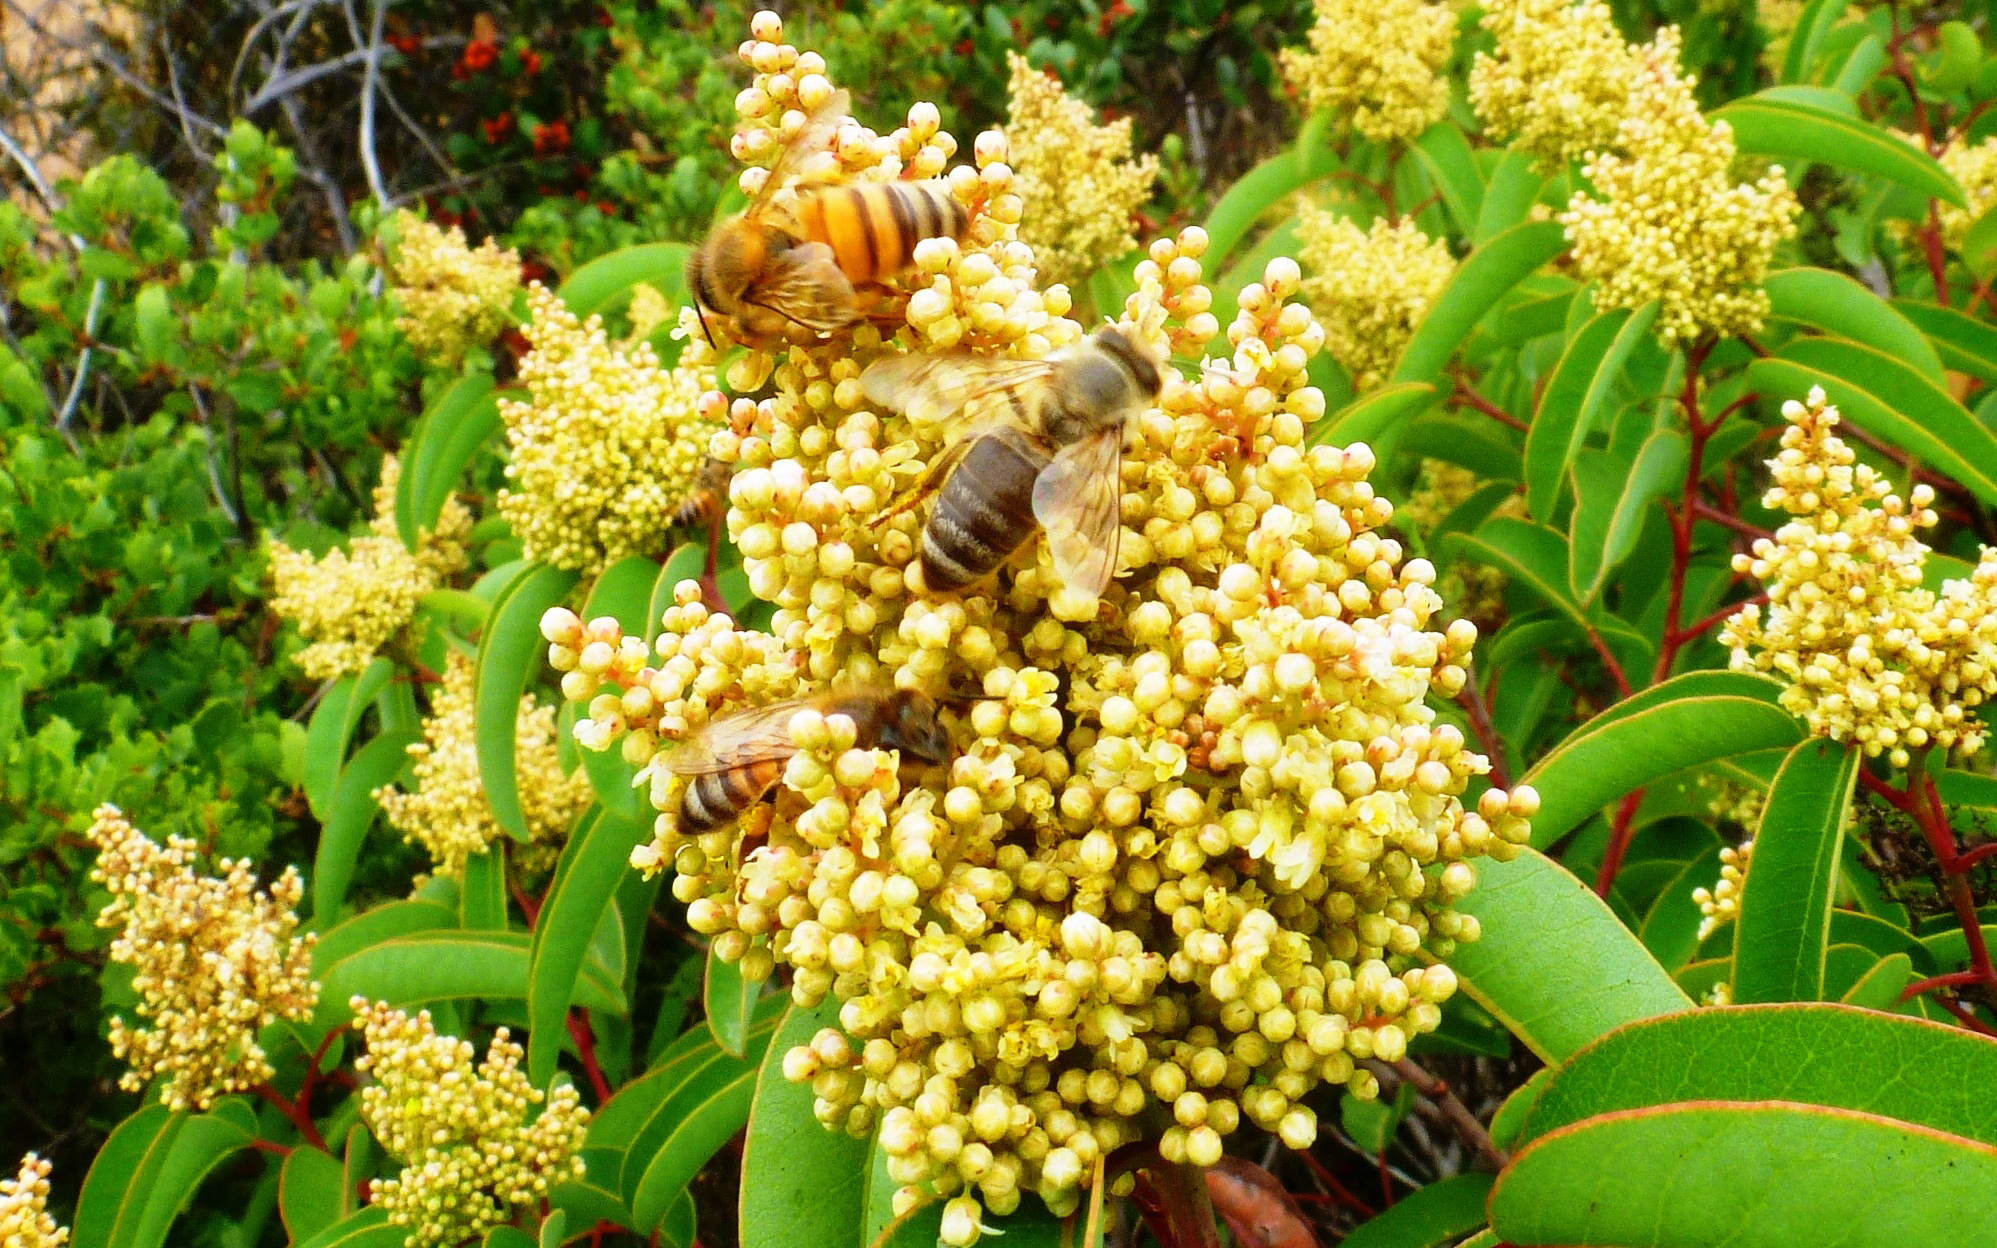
(1670,223)
(471,1158)
(448,814)
(1370,288)
(649,309)
(1198,839)
(1376,65)
(606,445)
(350,603)
(216,962)
(1558,82)
(24,1217)
(1867,654)
(1721,903)
(452,297)
(1080,186)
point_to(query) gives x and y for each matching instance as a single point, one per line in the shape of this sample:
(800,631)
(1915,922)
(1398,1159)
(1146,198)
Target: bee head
(1134,359)
(912,728)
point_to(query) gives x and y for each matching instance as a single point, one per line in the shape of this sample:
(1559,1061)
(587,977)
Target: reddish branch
(295,1113)
(1477,402)
(1478,712)
(585,1039)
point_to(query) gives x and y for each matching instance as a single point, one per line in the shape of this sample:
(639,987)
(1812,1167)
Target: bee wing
(1078,500)
(732,739)
(933,386)
(814,137)
(805,285)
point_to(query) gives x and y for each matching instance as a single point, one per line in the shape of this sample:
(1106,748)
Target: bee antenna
(705,331)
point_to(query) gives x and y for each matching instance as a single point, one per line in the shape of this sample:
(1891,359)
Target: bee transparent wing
(816,136)
(952,385)
(804,285)
(1078,500)
(733,739)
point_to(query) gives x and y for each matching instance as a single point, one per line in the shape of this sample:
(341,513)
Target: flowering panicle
(1377,63)
(1720,904)
(453,298)
(350,603)
(1369,288)
(471,1159)
(1868,655)
(1080,186)
(448,813)
(1193,833)
(24,1217)
(605,444)
(216,961)
(1558,83)
(1670,223)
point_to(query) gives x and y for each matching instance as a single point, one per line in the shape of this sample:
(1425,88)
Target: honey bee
(707,500)
(776,269)
(737,759)
(1036,442)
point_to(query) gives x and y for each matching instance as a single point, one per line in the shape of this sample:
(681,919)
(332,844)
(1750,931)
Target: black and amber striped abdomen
(984,511)
(873,227)
(718,797)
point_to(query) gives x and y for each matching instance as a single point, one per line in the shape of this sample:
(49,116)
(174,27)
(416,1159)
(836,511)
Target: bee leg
(710,584)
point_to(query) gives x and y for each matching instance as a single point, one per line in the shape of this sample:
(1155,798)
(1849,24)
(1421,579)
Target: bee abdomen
(873,227)
(718,797)
(984,511)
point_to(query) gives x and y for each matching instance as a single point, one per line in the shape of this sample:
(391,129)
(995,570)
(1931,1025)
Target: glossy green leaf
(1773,1175)
(482,896)
(587,1202)
(1880,987)
(1807,40)
(113,1202)
(1509,195)
(1479,282)
(368,1228)
(730,1003)
(1785,907)
(595,285)
(438,966)
(203,1142)
(709,1110)
(1965,343)
(334,720)
(1868,57)
(350,814)
(1612,496)
(1264,186)
(510,653)
(1536,558)
(802,1186)
(1889,400)
(592,864)
(1800,132)
(1438,1213)
(383,922)
(1374,415)
(1685,721)
(508,1237)
(1556,996)
(1828,99)
(1446,156)
(441,444)
(1979,246)
(308,1193)
(1840,305)
(1671,926)
(1575,397)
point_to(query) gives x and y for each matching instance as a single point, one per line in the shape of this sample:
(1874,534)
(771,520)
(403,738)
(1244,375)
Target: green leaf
(1611,496)
(1509,195)
(334,720)
(1979,246)
(1749,1176)
(595,859)
(482,896)
(1880,987)
(204,1142)
(308,1193)
(1839,305)
(1262,188)
(1807,40)
(1671,926)
(1965,343)
(510,652)
(802,1185)
(1479,282)
(554,1230)
(383,922)
(1536,558)
(1574,399)
(698,1119)
(1828,99)
(349,815)
(508,1237)
(1785,907)
(368,1228)
(1889,400)
(730,1002)
(1374,416)
(1452,166)
(437,450)
(1801,132)
(1556,995)
(152,323)
(1436,1214)
(115,1190)
(1683,722)
(623,591)
(595,285)
(442,966)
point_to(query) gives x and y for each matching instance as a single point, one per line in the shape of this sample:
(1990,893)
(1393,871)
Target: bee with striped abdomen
(733,762)
(1037,442)
(780,271)
(707,500)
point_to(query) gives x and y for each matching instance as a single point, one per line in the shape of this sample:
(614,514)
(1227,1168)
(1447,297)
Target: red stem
(1386,1181)
(586,1050)
(1682,518)
(1706,511)
(1921,801)
(1620,834)
(1478,712)
(1951,980)
(270,1146)
(1341,1193)
(1477,402)
(528,906)
(1692,630)
(295,1113)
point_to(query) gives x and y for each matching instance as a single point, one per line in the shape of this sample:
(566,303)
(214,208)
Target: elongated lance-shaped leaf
(1800,132)
(1536,558)
(730,1002)
(595,285)
(1575,398)
(334,720)
(1373,416)
(802,1185)
(1509,194)
(595,859)
(1612,495)
(1965,343)
(1880,987)
(510,652)
(437,450)
(448,965)
(113,1203)
(1839,305)
(1450,164)
(1479,283)
(308,1193)
(203,1143)
(367,1228)
(1808,38)
(1255,192)
(482,899)
(1785,906)
(1439,1213)
(349,815)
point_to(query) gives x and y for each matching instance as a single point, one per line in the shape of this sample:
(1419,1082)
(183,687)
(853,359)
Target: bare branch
(297,78)
(369,160)
(117,69)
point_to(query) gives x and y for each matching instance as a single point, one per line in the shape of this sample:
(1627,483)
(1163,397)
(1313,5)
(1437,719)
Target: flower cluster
(470,1158)
(24,1218)
(1974,167)
(1721,903)
(1369,288)
(606,443)
(350,603)
(453,298)
(216,962)
(1671,224)
(1376,63)
(448,814)
(1558,82)
(1868,655)
(1080,186)
(1195,833)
